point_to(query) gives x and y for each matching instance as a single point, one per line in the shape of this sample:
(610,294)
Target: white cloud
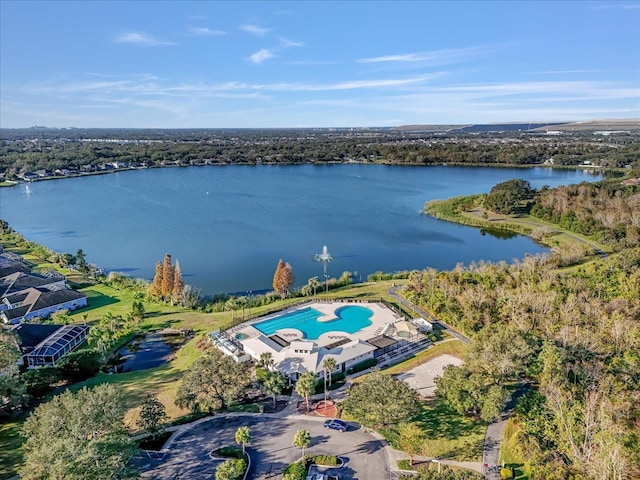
(261,56)
(435,57)
(141,38)
(290,43)
(255,29)
(204,32)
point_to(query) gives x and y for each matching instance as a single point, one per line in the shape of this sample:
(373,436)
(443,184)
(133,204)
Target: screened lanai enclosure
(56,345)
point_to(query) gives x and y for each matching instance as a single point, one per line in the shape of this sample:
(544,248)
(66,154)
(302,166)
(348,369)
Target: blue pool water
(350,319)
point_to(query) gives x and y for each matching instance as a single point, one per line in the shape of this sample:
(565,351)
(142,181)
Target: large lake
(228,226)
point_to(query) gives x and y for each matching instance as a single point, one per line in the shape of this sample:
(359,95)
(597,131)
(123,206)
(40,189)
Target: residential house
(39,302)
(44,345)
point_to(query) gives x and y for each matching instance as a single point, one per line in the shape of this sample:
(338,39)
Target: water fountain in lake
(324,257)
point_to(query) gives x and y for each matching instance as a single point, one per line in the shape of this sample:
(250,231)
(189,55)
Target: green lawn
(10,442)
(448,435)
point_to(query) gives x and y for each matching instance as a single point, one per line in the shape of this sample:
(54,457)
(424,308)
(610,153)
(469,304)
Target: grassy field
(10,442)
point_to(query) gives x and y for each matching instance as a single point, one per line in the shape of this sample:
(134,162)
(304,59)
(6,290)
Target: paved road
(271,449)
(493,437)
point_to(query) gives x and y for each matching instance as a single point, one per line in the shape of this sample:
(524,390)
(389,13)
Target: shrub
(229,452)
(404,464)
(231,469)
(328,460)
(295,471)
(80,365)
(39,381)
(506,473)
(358,367)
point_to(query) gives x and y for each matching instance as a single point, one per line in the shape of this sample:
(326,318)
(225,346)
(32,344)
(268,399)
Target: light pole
(326,284)
(249,301)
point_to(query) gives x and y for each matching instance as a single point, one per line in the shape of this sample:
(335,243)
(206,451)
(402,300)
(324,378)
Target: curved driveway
(270,450)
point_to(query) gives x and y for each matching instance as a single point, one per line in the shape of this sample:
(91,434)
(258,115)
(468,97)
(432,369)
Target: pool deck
(380,317)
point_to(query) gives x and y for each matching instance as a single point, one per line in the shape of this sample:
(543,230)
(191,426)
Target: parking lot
(271,449)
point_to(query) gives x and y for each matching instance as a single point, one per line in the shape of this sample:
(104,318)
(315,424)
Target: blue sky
(316,64)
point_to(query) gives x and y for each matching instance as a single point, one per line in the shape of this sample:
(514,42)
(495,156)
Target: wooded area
(572,334)
(90,150)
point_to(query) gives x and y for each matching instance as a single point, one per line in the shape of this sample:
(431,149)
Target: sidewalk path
(495,430)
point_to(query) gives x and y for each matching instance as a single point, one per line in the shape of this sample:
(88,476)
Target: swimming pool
(350,319)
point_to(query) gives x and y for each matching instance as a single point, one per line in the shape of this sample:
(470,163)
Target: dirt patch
(326,409)
(422,378)
(318,409)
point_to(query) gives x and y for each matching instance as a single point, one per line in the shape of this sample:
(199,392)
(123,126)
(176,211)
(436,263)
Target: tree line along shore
(36,154)
(565,325)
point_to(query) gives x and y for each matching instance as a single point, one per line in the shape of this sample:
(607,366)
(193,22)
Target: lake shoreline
(588,168)
(229,226)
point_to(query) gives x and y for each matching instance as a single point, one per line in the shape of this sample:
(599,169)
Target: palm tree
(306,385)
(302,439)
(243,436)
(273,383)
(243,301)
(329,365)
(313,283)
(266,360)
(231,304)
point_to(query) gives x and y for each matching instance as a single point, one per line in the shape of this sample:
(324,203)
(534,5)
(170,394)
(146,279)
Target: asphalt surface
(271,449)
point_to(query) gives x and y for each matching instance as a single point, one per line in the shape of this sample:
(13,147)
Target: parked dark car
(336,424)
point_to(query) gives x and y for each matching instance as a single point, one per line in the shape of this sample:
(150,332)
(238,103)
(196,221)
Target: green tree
(410,439)
(12,389)
(243,436)
(78,436)
(81,263)
(137,310)
(152,416)
(302,439)
(9,351)
(213,382)
(472,393)
(231,304)
(266,360)
(461,389)
(506,197)
(295,471)
(232,469)
(369,404)
(273,383)
(38,381)
(345,278)
(306,385)
(313,284)
(79,365)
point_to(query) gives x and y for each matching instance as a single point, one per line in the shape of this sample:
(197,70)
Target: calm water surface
(228,226)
